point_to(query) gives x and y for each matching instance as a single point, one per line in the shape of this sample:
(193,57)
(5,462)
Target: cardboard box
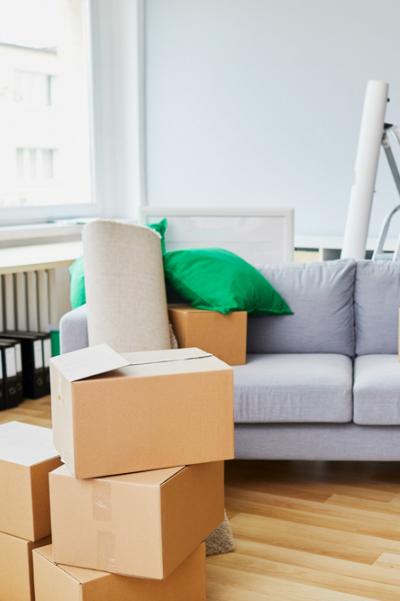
(115,414)
(224,336)
(16,576)
(143,524)
(27,455)
(62,583)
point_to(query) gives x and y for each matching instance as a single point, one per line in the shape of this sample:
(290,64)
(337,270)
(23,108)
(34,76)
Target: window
(36,175)
(45,141)
(33,89)
(35,165)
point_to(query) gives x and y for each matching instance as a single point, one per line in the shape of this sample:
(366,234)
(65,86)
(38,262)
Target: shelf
(38,257)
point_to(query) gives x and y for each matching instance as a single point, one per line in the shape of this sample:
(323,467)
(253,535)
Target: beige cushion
(125,288)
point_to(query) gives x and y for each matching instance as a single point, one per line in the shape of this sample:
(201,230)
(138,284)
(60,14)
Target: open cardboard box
(63,583)
(115,414)
(144,524)
(27,455)
(16,577)
(224,336)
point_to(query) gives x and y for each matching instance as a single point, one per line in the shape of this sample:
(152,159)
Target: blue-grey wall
(259,102)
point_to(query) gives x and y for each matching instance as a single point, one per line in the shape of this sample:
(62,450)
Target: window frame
(116,92)
(26,215)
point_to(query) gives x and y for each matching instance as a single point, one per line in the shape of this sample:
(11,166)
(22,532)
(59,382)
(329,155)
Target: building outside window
(34,89)
(45,141)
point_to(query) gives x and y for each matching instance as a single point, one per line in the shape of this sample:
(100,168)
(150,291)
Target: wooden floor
(304,531)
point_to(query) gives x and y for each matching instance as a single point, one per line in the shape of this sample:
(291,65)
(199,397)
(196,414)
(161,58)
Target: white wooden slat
(9,302)
(43,301)
(33,313)
(33,300)
(21,301)
(59,295)
(258,235)
(52,282)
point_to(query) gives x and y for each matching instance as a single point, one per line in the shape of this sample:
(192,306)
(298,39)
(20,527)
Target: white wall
(259,102)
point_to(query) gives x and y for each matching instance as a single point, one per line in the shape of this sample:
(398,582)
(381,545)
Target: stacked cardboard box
(143,437)
(27,456)
(66,583)
(224,336)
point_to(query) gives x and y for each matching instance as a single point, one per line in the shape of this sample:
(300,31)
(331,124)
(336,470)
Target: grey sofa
(323,384)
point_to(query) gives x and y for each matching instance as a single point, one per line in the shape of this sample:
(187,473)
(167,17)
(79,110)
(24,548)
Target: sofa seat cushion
(294,388)
(377,390)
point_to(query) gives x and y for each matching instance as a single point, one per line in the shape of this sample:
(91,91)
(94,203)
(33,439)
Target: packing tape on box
(102,512)
(101,500)
(195,356)
(106,545)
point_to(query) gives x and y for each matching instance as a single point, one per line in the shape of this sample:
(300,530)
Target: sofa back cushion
(376,305)
(321,296)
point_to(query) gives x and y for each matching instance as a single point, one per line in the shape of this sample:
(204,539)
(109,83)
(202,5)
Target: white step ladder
(380,254)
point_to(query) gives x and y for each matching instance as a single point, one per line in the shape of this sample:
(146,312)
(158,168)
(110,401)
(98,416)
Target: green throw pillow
(161,227)
(76,270)
(219,280)
(77,284)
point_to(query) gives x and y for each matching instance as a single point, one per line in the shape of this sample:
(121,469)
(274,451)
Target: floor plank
(308,576)
(305,531)
(389,560)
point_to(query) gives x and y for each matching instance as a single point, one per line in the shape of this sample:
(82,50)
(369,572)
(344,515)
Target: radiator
(33,300)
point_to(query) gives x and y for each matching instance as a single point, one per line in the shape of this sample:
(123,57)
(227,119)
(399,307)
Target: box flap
(148,478)
(182,308)
(155,478)
(81,575)
(88,362)
(181,354)
(25,444)
(187,309)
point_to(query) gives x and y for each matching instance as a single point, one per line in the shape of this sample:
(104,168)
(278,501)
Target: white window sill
(40,233)
(36,257)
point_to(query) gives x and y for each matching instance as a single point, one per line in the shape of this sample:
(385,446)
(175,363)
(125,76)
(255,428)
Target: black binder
(18,356)
(2,389)
(12,387)
(46,355)
(18,361)
(46,342)
(35,371)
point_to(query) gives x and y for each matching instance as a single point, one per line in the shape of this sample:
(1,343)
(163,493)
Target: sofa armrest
(73,330)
